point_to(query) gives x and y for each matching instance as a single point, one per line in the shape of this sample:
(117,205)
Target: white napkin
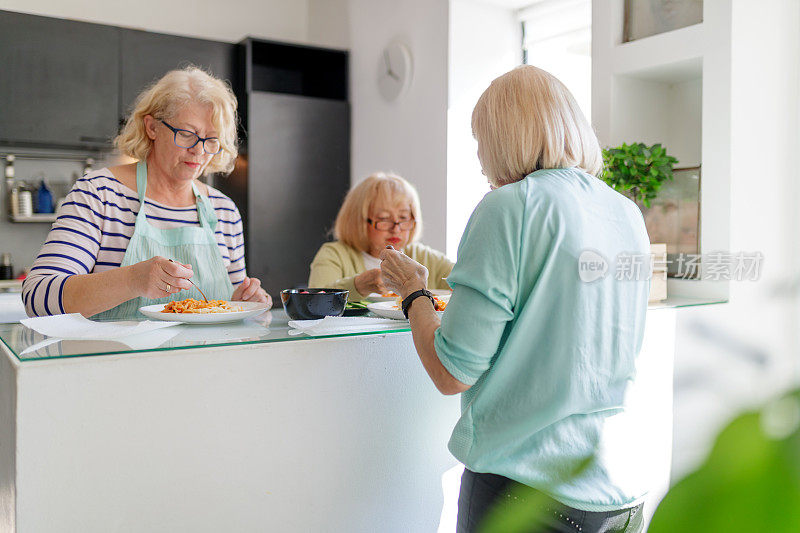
(12,309)
(142,341)
(336,325)
(76,326)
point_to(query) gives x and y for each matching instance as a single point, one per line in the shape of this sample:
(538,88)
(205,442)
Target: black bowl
(311,304)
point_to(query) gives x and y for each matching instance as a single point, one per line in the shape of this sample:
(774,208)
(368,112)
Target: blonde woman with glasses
(542,357)
(136,234)
(383,210)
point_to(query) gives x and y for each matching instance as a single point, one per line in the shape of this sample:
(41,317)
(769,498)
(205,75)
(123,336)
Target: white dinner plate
(390,310)
(375,297)
(248,309)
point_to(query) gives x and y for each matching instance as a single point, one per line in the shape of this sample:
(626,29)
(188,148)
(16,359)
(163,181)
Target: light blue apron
(187,244)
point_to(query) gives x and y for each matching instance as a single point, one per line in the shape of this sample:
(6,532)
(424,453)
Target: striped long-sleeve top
(93,228)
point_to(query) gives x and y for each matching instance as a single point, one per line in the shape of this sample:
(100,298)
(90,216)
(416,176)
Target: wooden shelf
(36,217)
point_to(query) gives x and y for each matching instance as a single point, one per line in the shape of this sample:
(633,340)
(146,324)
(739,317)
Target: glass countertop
(271,326)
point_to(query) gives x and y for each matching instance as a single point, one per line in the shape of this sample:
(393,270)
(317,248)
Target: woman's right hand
(370,281)
(159,277)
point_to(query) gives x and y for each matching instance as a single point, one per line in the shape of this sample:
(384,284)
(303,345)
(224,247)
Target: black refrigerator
(294,168)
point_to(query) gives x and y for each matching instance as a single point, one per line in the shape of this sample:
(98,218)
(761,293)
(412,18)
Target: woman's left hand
(250,290)
(402,273)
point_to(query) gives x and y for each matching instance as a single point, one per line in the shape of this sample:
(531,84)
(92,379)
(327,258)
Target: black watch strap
(413,296)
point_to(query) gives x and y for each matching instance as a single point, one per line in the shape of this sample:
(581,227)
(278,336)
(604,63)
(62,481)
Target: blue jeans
(481,493)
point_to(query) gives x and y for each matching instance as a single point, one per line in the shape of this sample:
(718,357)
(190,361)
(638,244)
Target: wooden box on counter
(658,281)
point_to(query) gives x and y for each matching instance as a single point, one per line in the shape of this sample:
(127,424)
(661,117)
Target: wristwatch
(413,296)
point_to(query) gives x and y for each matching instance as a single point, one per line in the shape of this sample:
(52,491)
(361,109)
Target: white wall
(407,136)
(672,110)
(207,19)
(747,350)
(731,356)
(485,42)
(329,23)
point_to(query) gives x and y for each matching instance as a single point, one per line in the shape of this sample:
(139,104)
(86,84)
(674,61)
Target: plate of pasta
(394,310)
(191,311)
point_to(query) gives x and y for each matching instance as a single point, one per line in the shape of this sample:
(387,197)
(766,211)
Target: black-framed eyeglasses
(383,224)
(188,139)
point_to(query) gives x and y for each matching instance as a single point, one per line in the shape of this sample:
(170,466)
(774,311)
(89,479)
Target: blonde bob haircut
(380,189)
(527,120)
(165,98)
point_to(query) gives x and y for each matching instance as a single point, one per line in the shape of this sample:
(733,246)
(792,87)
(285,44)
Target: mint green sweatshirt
(549,356)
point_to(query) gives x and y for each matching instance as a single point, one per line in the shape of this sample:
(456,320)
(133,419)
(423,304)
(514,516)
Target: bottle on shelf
(13,197)
(88,165)
(10,185)
(6,269)
(24,201)
(44,199)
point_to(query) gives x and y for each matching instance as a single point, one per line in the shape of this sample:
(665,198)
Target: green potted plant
(638,171)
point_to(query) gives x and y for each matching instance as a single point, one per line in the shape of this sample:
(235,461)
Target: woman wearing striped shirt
(109,250)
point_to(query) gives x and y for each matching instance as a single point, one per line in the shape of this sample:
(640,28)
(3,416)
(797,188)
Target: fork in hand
(195,286)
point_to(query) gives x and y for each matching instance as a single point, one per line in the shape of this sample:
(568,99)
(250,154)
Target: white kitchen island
(245,428)
(261,433)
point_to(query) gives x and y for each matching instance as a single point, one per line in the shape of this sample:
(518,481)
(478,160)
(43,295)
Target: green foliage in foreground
(637,170)
(526,507)
(750,481)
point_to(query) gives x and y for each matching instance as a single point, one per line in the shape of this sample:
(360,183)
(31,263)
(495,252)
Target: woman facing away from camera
(542,358)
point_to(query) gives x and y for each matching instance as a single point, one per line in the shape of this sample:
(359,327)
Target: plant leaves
(638,168)
(750,482)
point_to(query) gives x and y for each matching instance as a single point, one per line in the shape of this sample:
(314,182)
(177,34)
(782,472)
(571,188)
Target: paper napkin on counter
(141,341)
(12,310)
(76,326)
(337,325)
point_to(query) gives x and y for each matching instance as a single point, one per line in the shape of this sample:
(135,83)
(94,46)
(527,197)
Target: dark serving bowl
(310,304)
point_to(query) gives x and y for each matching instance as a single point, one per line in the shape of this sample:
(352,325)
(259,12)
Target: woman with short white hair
(135,234)
(382,210)
(543,359)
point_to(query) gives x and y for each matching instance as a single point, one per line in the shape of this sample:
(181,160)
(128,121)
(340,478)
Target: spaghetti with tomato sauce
(190,305)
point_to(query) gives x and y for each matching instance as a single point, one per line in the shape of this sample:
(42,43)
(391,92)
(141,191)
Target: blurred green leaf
(525,507)
(750,481)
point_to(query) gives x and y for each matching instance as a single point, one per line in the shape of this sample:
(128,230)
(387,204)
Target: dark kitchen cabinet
(147,56)
(70,84)
(59,81)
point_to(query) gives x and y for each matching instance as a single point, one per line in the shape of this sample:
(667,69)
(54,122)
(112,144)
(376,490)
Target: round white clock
(394,71)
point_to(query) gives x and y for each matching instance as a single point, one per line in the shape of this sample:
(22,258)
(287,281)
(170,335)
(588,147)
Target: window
(557,37)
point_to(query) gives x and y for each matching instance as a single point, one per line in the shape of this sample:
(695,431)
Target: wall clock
(394,71)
